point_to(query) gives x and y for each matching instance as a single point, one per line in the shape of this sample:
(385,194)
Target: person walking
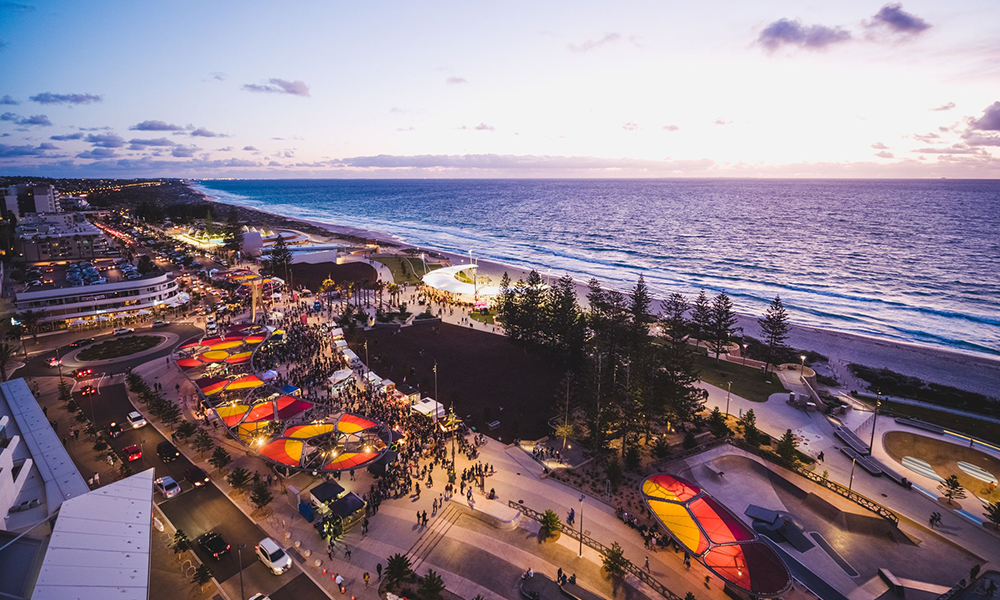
(367,578)
(648,570)
(378,569)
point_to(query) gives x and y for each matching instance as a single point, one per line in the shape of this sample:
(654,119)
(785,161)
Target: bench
(848,437)
(866,462)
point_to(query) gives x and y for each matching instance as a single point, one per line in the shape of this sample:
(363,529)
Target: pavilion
(446,279)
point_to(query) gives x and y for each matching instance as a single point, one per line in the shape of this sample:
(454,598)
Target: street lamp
(802,370)
(728,393)
(851,483)
(436,392)
(239,552)
(745,346)
(581,523)
(878,403)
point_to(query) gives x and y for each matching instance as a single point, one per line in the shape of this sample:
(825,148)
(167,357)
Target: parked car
(87,390)
(167,452)
(115,429)
(167,487)
(131,453)
(273,557)
(196,475)
(136,420)
(123,331)
(82,373)
(214,544)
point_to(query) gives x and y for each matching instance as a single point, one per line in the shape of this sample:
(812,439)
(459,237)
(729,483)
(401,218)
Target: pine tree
(281,259)
(701,317)
(239,478)
(181,543)
(202,441)
(677,374)
(774,325)
(993,514)
(185,430)
(717,423)
(750,432)
(233,237)
(787,445)
(614,561)
(220,458)
(202,575)
(260,496)
(170,413)
(951,489)
(722,322)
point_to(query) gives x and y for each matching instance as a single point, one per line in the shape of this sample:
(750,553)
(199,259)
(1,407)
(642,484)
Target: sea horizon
(919,303)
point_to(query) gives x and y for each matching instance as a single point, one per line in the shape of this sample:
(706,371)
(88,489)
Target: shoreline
(964,370)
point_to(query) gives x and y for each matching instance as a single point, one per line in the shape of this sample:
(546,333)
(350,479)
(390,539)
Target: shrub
(615,561)
(689,440)
(260,496)
(633,459)
(661,448)
(239,478)
(431,586)
(550,523)
(220,458)
(397,569)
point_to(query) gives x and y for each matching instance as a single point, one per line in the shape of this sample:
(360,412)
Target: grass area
(748,382)
(985,430)
(119,347)
(487,318)
(913,388)
(404,269)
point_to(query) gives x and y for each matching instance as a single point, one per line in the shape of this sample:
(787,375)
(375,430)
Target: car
(132,453)
(123,331)
(136,419)
(214,544)
(82,373)
(54,362)
(167,487)
(115,429)
(259,597)
(87,390)
(160,323)
(167,452)
(196,475)
(273,557)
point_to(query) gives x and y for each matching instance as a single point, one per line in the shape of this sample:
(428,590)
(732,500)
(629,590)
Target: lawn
(119,347)
(488,377)
(487,318)
(404,269)
(748,382)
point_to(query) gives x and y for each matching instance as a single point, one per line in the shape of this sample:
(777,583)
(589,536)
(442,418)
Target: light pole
(366,356)
(802,370)
(239,553)
(850,484)
(581,523)
(745,346)
(728,393)
(878,403)
(436,392)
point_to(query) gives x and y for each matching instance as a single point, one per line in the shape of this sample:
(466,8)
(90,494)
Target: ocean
(907,260)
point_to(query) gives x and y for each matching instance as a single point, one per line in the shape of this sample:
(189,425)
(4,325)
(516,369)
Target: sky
(500,89)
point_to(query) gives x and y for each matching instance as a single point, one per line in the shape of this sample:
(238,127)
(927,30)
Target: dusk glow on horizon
(336,89)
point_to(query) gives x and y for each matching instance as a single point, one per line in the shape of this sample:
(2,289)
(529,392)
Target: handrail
(859,499)
(640,574)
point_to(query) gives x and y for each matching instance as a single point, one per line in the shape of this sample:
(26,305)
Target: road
(196,510)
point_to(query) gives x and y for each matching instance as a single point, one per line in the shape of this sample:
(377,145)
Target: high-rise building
(25,198)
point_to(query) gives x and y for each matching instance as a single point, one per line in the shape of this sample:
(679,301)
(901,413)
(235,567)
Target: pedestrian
(367,577)
(378,569)
(347,553)
(418,517)
(648,570)
(97,478)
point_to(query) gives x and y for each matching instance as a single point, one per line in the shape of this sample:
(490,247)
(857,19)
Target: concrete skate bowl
(938,459)
(819,501)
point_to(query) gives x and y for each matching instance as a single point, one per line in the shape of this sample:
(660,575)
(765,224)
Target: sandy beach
(972,372)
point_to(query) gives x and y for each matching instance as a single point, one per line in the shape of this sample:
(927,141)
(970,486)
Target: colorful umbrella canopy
(245,382)
(213,356)
(239,358)
(187,363)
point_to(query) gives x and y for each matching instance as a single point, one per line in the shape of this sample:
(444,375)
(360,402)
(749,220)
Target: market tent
(326,491)
(341,376)
(348,505)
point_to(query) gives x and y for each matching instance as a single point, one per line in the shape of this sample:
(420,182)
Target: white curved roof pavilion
(444,279)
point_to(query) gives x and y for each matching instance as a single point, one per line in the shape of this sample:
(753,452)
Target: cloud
(884,154)
(990,121)
(97,153)
(607,39)
(927,138)
(67,137)
(8,101)
(943,107)
(721,121)
(16,7)
(397,111)
(156,126)
(893,18)
(105,128)
(670,128)
(184,151)
(250,149)
(202,132)
(953,149)
(218,76)
(406,129)
(456,80)
(279,86)
(40,120)
(7,151)
(980,140)
(139,144)
(50,98)
(105,140)
(879,146)
(630,126)
(226,149)
(484,127)
(786,32)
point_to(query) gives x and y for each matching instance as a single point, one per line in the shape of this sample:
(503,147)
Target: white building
(59,236)
(104,302)
(25,198)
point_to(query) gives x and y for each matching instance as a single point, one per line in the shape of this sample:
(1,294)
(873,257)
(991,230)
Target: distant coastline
(962,369)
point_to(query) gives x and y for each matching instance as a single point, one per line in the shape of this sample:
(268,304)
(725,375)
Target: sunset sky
(500,89)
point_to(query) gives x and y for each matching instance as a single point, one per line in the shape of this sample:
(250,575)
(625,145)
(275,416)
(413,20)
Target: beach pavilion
(458,281)
(716,537)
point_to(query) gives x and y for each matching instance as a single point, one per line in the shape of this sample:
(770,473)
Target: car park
(132,453)
(136,420)
(167,452)
(167,487)
(273,557)
(214,544)
(115,429)
(196,476)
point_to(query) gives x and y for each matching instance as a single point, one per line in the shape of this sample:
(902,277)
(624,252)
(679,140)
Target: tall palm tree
(7,354)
